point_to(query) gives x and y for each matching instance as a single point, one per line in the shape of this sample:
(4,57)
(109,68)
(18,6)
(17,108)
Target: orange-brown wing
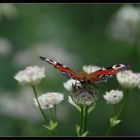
(66,72)
(106,73)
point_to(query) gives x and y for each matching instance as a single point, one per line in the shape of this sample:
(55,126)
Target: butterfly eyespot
(106,76)
(118,65)
(65,74)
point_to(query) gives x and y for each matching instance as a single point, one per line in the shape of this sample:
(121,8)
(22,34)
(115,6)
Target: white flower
(68,84)
(137,79)
(113,97)
(83,97)
(125,24)
(129,13)
(8,10)
(48,100)
(128,79)
(91,68)
(31,75)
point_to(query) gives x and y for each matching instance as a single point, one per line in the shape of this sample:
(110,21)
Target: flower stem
(35,93)
(119,112)
(110,127)
(81,122)
(55,116)
(85,117)
(84,113)
(109,130)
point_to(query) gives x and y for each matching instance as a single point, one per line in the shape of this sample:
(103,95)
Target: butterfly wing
(66,72)
(106,73)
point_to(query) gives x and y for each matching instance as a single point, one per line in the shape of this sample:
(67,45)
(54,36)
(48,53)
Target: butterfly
(102,74)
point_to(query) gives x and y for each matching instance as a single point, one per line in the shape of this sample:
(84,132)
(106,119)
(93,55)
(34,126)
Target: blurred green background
(74,35)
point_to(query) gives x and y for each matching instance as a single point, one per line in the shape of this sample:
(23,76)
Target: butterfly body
(100,75)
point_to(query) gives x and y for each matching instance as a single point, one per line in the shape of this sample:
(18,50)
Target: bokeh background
(74,35)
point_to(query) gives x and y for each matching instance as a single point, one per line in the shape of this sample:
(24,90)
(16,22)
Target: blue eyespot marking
(65,74)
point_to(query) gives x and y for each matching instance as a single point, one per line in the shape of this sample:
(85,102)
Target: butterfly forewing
(67,72)
(106,73)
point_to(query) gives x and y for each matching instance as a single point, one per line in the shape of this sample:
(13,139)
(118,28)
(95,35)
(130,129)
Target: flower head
(83,95)
(31,75)
(48,100)
(8,10)
(128,79)
(113,96)
(129,14)
(125,25)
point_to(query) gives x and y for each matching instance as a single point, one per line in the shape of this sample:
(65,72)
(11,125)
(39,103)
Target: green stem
(84,114)
(109,130)
(123,103)
(120,111)
(110,127)
(55,116)
(43,114)
(50,113)
(85,119)
(115,109)
(81,122)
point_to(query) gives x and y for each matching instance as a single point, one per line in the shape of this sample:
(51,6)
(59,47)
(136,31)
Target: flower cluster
(128,79)
(125,25)
(48,100)
(8,10)
(113,96)
(31,75)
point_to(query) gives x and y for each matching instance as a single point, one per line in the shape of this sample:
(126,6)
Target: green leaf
(78,130)
(85,134)
(52,125)
(114,121)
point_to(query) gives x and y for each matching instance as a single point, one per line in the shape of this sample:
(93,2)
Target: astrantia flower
(128,79)
(129,13)
(8,10)
(31,75)
(84,95)
(113,96)
(48,100)
(137,79)
(91,68)
(69,84)
(83,98)
(125,25)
